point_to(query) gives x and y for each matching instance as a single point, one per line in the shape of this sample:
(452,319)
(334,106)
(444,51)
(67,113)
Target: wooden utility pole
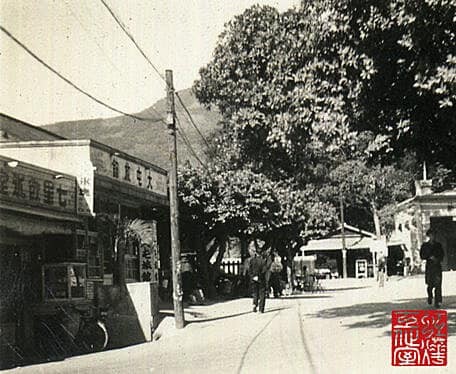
(173,205)
(344,247)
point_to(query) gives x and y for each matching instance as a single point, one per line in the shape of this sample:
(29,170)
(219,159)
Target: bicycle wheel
(92,337)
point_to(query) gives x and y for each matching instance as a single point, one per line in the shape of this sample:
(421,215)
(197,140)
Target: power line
(46,65)
(187,143)
(192,121)
(98,44)
(130,36)
(124,28)
(87,31)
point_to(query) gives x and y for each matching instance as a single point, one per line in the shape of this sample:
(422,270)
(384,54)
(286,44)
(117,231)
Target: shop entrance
(446,235)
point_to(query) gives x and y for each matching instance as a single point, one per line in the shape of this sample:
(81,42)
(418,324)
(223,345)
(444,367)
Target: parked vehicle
(326,273)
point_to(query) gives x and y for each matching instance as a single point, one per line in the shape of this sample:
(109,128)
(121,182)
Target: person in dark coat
(432,252)
(257,272)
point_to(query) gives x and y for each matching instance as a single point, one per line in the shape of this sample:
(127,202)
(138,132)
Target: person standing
(269,259)
(257,272)
(276,269)
(432,252)
(381,272)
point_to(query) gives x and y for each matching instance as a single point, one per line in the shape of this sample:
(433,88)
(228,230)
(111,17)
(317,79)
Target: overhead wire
(192,120)
(98,44)
(76,87)
(86,30)
(180,129)
(130,36)
(187,143)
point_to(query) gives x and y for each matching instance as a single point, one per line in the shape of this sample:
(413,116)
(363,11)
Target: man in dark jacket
(257,272)
(432,252)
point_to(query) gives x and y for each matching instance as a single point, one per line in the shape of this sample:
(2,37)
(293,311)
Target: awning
(332,244)
(25,224)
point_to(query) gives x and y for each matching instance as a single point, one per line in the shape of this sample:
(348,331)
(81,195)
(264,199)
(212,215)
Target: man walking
(257,272)
(432,252)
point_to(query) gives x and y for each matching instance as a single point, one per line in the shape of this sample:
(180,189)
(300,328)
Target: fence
(231,266)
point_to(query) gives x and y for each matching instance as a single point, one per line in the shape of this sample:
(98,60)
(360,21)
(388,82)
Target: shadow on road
(378,315)
(346,288)
(234,315)
(311,296)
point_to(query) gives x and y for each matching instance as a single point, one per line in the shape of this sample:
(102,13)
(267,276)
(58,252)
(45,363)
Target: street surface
(345,329)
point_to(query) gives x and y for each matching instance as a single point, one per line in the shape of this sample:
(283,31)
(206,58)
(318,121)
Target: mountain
(148,140)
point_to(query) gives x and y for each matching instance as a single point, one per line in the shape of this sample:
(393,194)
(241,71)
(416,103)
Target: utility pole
(344,247)
(173,204)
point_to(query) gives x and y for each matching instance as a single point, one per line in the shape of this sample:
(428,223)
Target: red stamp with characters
(419,337)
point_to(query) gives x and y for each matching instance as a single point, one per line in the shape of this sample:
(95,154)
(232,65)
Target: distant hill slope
(148,141)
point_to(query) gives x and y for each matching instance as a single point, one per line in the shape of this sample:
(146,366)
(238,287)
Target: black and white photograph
(239,187)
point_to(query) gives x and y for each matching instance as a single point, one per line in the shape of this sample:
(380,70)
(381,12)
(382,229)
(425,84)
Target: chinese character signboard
(129,171)
(419,338)
(27,185)
(85,193)
(149,262)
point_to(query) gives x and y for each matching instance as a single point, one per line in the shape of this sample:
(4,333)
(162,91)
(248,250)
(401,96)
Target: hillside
(148,141)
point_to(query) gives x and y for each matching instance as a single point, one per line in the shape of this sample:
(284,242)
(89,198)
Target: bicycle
(92,335)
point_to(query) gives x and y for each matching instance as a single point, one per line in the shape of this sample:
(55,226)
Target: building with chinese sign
(38,217)
(428,209)
(62,204)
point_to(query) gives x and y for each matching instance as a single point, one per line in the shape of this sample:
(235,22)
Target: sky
(81,40)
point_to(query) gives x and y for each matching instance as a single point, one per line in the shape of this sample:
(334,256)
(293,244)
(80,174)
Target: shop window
(132,261)
(115,168)
(127,172)
(81,246)
(64,281)
(87,250)
(94,259)
(139,177)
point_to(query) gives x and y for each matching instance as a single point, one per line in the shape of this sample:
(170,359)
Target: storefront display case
(66,281)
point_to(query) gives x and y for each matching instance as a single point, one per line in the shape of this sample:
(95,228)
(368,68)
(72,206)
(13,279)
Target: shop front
(355,255)
(88,232)
(38,220)
(427,209)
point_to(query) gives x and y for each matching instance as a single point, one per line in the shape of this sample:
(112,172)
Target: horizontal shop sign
(27,185)
(129,171)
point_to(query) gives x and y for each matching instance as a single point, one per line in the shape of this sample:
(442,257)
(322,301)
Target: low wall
(132,314)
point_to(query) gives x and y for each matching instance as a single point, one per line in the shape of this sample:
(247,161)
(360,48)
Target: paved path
(345,329)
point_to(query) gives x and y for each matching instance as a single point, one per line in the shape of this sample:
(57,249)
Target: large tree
(410,97)
(291,84)
(335,93)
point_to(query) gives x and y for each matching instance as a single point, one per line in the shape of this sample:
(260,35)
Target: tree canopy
(302,85)
(333,97)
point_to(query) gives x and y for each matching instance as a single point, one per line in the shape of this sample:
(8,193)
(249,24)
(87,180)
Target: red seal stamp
(419,337)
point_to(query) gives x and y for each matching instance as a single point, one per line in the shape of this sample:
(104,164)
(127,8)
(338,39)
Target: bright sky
(81,40)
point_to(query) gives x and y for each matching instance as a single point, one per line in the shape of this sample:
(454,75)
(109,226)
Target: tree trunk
(204,258)
(244,248)
(378,229)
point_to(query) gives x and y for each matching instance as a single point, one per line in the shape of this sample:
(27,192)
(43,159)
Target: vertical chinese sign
(419,338)
(149,262)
